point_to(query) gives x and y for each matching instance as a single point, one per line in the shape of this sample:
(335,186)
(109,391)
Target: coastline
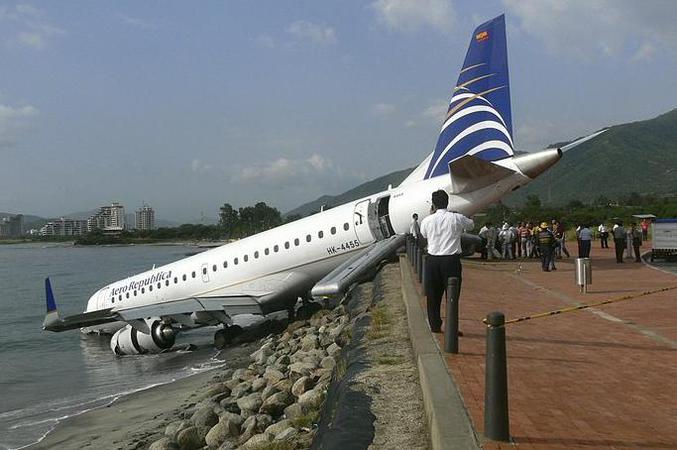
(135,420)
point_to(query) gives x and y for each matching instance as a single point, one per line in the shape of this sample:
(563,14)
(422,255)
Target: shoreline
(137,419)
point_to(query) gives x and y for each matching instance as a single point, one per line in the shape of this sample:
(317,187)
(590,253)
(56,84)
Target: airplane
(474,161)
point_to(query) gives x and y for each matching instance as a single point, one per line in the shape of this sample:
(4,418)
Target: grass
(390,360)
(307,420)
(380,322)
(276,445)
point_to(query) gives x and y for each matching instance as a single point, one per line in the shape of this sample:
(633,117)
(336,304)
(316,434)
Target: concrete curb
(448,420)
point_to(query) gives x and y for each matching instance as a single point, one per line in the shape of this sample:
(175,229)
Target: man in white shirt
(443,231)
(414,228)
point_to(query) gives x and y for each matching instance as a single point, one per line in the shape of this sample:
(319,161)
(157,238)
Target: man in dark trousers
(619,241)
(443,230)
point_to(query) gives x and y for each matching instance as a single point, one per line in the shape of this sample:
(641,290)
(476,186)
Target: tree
(228,219)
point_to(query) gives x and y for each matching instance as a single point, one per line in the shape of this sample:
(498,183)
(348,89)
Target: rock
(278,427)
(309,342)
(283,361)
(328,363)
(236,418)
(336,332)
(173,428)
(216,399)
(204,417)
(257,440)
(262,354)
(323,376)
(287,434)
(273,375)
(241,389)
(302,385)
(230,405)
(227,445)
(333,350)
(292,411)
(284,385)
(243,375)
(218,388)
(251,402)
(311,399)
(301,368)
(190,439)
(275,404)
(163,444)
(268,391)
(258,384)
(223,430)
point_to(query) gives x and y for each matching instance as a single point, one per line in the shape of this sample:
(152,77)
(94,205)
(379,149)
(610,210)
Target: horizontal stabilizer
(577,142)
(341,278)
(470,173)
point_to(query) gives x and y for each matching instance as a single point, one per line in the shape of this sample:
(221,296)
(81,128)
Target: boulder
(294,410)
(312,399)
(251,402)
(230,405)
(276,403)
(287,434)
(218,388)
(173,428)
(328,363)
(243,375)
(257,440)
(223,430)
(273,375)
(204,417)
(241,389)
(302,385)
(163,444)
(190,439)
(258,384)
(268,391)
(333,350)
(278,427)
(309,342)
(301,368)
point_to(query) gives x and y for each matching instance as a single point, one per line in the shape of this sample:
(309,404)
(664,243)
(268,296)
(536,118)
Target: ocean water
(46,377)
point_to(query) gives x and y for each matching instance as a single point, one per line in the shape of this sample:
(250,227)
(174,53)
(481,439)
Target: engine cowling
(130,341)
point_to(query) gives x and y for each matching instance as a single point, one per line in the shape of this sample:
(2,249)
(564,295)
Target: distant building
(64,227)
(145,218)
(12,227)
(109,219)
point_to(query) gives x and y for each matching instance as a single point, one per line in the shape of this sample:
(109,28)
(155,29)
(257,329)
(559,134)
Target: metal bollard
(496,421)
(423,272)
(451,323)
(419,257)
(421,267)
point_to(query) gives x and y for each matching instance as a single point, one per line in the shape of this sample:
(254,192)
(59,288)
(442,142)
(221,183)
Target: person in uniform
(637,235)
(443,230)
(546,244)
(603,235)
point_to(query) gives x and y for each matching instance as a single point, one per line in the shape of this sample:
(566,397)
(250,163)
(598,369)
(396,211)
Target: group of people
(627,240)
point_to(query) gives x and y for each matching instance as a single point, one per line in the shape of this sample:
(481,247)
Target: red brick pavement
(598,378)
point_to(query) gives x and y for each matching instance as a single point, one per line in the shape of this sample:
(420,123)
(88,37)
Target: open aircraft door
(361,222)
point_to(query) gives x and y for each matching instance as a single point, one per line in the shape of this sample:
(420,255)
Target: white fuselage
(258,265)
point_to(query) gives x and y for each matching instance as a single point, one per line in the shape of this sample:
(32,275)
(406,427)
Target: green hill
(636,157)
(363,190)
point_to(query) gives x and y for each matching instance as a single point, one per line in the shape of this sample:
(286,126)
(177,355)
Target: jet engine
(130,341)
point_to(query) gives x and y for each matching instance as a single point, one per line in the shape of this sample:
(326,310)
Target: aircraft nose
(534,164)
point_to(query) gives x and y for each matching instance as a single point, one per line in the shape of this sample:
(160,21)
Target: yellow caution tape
(585,306)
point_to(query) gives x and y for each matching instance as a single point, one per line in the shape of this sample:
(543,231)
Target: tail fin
(479,119)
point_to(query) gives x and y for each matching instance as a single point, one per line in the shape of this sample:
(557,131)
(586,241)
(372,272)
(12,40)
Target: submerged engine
(130,341)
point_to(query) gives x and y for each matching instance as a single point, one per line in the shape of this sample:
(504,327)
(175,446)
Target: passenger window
(333,230)
(246,258)
(256,254)
(286,245)
(184,277)
(214,268)
(320,234)
(276,249)
(143,290)
(346,226)
(150,288)
(235,261)
(134,293)
(167,282)
(193,274)
(296,242)
(225,264)
(120,297)
(266,252)
(159,285)
(308,238)
(127,294)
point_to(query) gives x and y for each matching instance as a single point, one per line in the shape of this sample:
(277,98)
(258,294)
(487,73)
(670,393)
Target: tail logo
(478,121)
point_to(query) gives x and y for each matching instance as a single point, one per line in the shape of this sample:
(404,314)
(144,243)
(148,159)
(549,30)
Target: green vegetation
(380,322)
(390,360)
(276,445)
(306,420)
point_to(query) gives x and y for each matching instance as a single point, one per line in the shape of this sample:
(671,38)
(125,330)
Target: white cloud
(412,15)
(314,33)
(436,110)
(138,22)
(197,166)
(609,28)
(14,121)
(383,110)
(284,172)
(265,41)
(26,26)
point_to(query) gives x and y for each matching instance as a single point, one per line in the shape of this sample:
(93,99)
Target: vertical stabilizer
(479,120)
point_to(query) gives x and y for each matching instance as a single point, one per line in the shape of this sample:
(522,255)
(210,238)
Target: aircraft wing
(470,173)
(340,279)
(259,296)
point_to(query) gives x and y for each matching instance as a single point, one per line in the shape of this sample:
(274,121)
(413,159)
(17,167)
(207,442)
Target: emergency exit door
(361,222)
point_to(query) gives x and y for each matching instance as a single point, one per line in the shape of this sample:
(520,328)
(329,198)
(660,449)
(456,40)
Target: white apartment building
(145,218)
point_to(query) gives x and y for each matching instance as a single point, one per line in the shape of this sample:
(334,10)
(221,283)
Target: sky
(189,105)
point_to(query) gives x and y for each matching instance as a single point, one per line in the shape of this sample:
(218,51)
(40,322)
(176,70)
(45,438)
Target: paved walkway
(599,378)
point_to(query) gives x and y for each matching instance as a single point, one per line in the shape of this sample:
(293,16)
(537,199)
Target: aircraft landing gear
(226,335)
